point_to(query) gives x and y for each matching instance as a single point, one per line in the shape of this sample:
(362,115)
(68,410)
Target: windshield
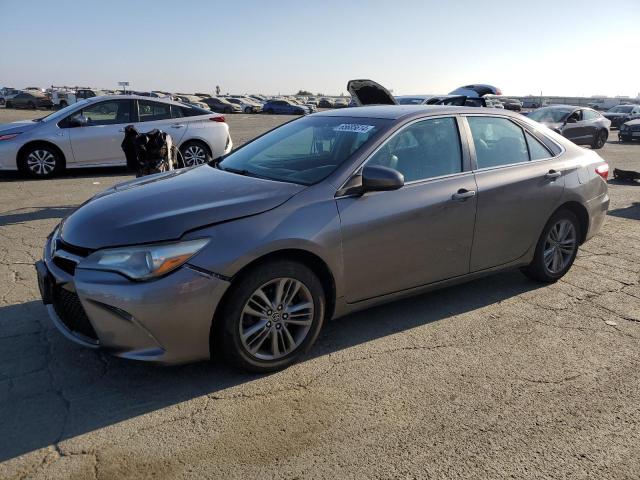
(304,151)
(63,111)
(621,109)
(550,115)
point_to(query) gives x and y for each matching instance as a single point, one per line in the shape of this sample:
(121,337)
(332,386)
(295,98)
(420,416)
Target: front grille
(635,128)
(68,307)
(65,264)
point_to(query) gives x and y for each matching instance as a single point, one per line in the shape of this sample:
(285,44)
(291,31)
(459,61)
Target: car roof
(395,112)
(133,97)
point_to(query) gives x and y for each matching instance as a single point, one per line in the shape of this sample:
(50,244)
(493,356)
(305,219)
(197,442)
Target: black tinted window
(149,111)
(498,141)
(193,111)
(537,151)
(176,111)
(426,149)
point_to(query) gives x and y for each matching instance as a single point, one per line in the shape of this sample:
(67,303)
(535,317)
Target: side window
(111,112)
(590,115)
(177,111)
(498,141)
(537,151)
(425,149)
(149,111)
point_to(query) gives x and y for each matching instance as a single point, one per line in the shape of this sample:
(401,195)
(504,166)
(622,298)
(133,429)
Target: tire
(247,110)
(41,161)
(63,103)
(195,152)
(292,340)
(600,139)
(548,271)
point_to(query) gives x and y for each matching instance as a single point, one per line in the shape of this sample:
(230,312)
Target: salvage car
(286,107)
(222,105)
(621,114)
(89,133)
(581,125)
(629,131)
(31,100)
(325,215)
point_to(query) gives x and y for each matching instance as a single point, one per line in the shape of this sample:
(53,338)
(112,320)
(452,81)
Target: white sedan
(89,134)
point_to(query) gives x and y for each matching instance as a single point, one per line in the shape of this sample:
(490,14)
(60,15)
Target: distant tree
(320,94)
(304,92)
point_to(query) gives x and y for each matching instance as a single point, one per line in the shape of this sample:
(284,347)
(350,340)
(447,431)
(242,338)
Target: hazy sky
(559,47)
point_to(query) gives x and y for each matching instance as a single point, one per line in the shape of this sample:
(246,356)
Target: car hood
(553,125)
(368,92)
(18,127)
(164,206)
(633,122)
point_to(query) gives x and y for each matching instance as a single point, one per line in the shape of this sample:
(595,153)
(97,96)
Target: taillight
(219,118)
(603,171)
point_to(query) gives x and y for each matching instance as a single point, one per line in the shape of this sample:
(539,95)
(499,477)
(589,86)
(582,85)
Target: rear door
(99,141)
(519,186)
(152,115)
(576,131)
(421,233)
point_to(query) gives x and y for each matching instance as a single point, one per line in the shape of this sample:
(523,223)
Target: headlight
(624,126)
(146,261)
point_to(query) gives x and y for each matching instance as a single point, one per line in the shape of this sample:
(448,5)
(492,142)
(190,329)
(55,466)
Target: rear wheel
(41,161)
(556,249)
(272,316)
(195,153)
(600,139)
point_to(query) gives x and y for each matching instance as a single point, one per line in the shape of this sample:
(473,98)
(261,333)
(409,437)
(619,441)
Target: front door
(519,186)
(160,115)
(98,142)
(422,232)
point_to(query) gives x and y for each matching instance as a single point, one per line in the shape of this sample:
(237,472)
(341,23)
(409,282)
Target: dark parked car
(621,114)
(285,107)
(30,100)
(325,103)
(511,104)
(222,105)
(325,215)
(629,131)
(581,125)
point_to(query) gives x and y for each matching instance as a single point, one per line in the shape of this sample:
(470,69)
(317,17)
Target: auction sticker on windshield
(353,127)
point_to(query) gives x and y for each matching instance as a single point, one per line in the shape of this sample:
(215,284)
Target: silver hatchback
(325,215)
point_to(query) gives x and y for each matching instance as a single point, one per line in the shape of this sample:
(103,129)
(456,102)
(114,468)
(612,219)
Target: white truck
(63,96)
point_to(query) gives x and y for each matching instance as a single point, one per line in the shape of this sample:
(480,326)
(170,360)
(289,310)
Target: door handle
(462,194)
(552,174)
(177,125)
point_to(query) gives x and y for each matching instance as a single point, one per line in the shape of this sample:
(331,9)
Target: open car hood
(368,92)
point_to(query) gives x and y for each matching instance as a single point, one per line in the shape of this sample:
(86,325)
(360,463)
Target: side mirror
(79,121)
(376,178)
(572,120)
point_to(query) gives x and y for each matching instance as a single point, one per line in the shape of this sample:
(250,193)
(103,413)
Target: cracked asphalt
(497,378)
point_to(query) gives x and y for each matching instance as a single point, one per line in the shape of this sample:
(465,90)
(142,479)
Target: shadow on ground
(631,212)
(28,214)
(9,176)
(52,390)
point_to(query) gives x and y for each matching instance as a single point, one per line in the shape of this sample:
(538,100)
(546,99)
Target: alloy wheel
(276,319)
(194,155)
(41,162)
(559,246)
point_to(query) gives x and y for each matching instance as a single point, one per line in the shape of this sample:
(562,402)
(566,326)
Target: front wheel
(41,161)
(195,153)
(556,248)
(247,110)
(272,316)
(600,139)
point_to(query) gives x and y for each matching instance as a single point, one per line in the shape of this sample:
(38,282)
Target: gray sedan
(581,125)
(323,216)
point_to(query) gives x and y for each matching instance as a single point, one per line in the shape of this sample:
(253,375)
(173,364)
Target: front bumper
(167,320)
